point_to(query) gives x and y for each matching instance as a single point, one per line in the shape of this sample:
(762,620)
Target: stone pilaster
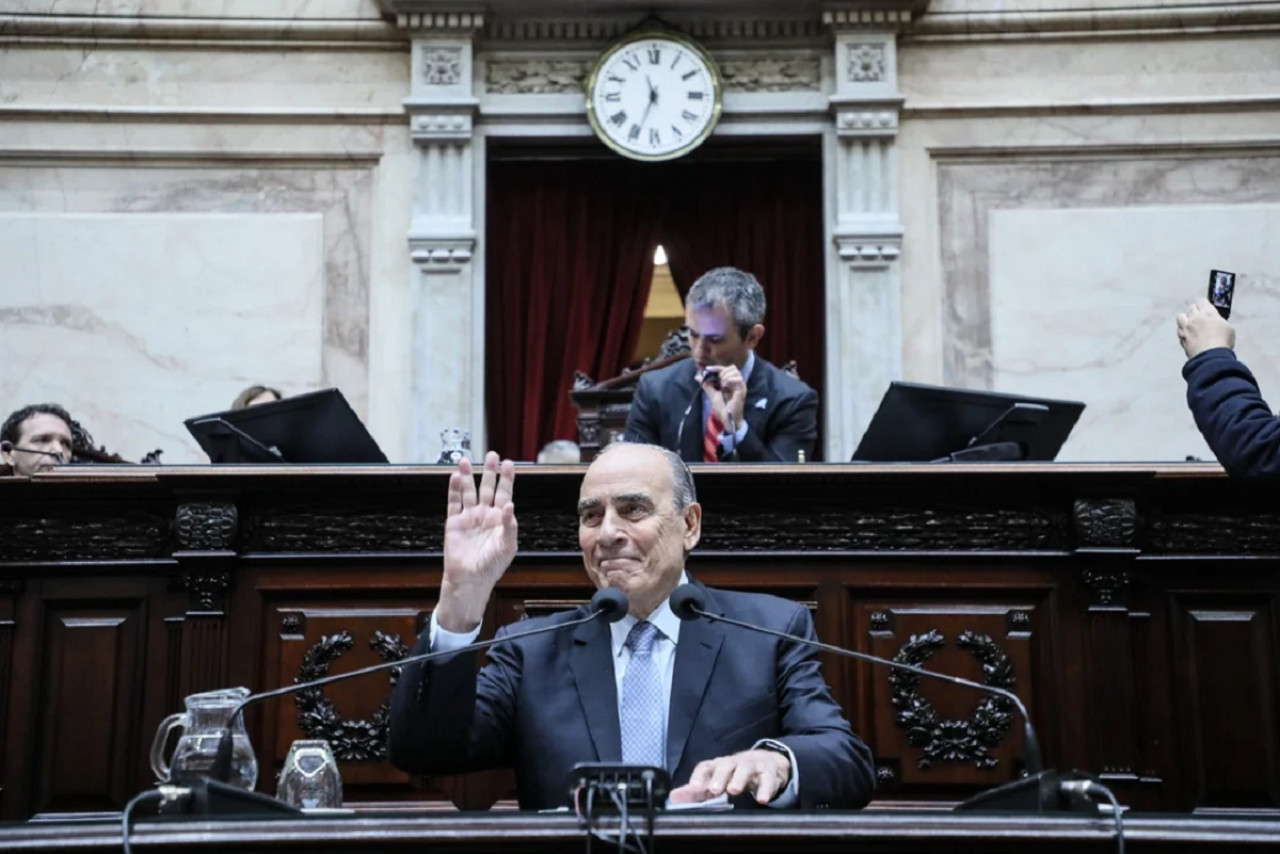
(448,280)
(864,315)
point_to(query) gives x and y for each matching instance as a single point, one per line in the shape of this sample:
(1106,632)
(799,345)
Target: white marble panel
(137,321)
(300,9)
(1082,306)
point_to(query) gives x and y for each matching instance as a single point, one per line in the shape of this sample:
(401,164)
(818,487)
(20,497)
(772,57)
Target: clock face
(654,97)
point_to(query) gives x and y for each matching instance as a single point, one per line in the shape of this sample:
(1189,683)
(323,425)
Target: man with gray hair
(725,403)
(727,712)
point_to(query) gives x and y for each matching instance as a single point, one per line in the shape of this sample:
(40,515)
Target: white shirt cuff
(443,640)
(791,794)
(729,442)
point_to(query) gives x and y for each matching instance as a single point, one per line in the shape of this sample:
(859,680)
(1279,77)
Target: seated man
(723,709)
(725,403)
(36,438)
(1224,397)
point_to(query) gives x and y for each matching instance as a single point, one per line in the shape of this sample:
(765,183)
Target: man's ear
(754,334)
(692,526)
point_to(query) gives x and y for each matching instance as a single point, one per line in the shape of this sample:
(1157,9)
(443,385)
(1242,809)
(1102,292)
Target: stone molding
(1041,24)
(547,76)
(867,19)
(440,23)
(428,127)
(600,30)
(867,123)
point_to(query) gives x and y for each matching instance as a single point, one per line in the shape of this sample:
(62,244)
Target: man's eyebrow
(635,497)
(588,504)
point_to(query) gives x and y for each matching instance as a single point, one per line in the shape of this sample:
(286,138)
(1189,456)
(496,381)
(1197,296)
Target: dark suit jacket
(1231,414)
(542,704)
(786,423)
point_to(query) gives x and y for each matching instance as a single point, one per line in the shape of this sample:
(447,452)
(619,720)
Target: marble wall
(198,196)
(1066,189)
(196,200)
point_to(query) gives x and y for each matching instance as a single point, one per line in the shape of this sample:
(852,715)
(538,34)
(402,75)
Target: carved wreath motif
(317,716)
(952,740)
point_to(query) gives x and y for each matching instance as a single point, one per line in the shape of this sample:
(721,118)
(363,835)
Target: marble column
(864,315)
(448,278)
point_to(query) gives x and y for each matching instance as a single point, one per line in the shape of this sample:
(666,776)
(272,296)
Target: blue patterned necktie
(642,716)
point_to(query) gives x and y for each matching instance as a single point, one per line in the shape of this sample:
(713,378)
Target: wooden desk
(1134,608)
(897,832)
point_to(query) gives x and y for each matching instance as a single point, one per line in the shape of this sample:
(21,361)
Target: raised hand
(1201,328)
(480,536)
(729,402)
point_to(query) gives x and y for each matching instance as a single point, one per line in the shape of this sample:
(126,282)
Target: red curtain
(765,218)
(569,263)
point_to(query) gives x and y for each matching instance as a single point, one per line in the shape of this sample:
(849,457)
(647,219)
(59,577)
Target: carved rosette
(866,63)
(442,66)
(965,740)
(356,740)
(206,525)
(1110,523)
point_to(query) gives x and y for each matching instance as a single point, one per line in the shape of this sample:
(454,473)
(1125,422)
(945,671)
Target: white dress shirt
(664,654)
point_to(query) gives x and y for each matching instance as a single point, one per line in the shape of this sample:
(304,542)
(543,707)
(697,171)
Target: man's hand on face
(479,541)
(1201,328)
(731,399)
(763,773)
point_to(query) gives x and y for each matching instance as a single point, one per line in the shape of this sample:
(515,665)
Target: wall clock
(654,95)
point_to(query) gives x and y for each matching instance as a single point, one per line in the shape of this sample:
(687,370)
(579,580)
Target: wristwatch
(778,747)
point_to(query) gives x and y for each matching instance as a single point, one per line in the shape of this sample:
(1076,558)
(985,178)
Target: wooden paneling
(90,695)
(1229,672)
(1144,641)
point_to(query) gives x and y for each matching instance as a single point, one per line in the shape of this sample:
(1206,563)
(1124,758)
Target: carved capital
(441,255)
(1107,523)
(1108,581)
(867,123)
(206,525)
(206,587)
(868,251)
(452,124)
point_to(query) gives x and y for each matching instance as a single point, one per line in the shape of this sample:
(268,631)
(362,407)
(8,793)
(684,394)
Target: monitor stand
(1004,440)
(236,446)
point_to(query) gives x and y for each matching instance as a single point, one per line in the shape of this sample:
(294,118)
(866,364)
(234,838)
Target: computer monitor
(314,427)
(923,423)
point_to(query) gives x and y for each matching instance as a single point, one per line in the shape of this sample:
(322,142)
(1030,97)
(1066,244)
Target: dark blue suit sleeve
(643,422)
(1232,416)
(793,428)
(835,766)
(446,719)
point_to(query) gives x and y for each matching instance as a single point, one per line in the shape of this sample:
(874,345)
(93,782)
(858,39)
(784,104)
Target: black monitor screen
(918,423)
(315,427)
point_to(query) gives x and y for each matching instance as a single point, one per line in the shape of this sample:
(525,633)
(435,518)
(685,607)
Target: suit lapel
(696,653)
(591,660)
(691,437)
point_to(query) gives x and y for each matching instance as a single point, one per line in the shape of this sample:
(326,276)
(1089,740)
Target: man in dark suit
(1224,397)
(726,711)
(725,403)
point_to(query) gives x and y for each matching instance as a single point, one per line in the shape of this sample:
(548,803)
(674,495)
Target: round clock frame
(623,79)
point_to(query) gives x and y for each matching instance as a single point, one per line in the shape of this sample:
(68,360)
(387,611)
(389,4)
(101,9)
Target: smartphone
(711,377)
(1222,286)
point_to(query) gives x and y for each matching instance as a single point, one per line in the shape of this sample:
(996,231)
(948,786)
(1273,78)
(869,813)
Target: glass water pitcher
(202,725)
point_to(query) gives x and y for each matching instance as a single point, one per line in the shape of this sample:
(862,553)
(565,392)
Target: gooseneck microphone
(609,603)
(9,448)
(1040,789)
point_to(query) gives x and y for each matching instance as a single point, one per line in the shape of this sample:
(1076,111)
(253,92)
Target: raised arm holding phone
(1222,393)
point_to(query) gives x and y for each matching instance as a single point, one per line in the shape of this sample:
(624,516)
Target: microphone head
(6,446)
(610,603)
(687,602)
